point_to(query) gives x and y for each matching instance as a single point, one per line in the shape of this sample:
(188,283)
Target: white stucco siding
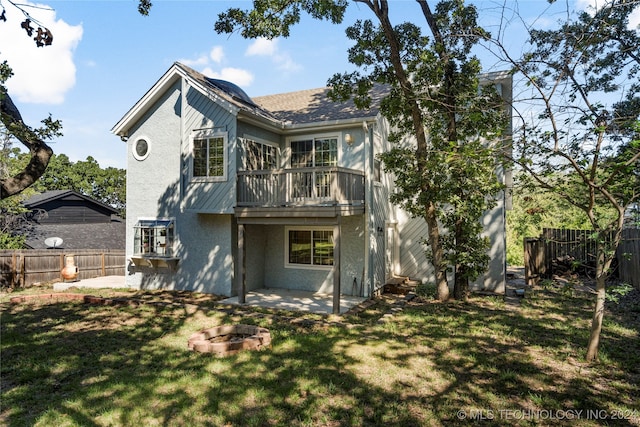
(152,183)
(352,256)
(255,259)
(278,275)
(206,253)
(494,222)
(378,238)
(202,114)
(413,260)
(414,263)
(351,156)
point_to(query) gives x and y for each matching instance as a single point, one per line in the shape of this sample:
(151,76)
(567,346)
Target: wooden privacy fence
(542,253)
(629,257)
(23,268)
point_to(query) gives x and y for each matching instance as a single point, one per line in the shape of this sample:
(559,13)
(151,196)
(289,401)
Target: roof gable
(230,96)
(280,110)
(41,199)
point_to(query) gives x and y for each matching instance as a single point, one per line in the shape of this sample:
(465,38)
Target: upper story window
(260,155)
(377,170)
(210,157)
(154,237)
(141,148)
(314,152)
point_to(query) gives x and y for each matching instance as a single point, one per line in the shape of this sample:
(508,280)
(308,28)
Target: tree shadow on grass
(102,365)
(522,371)
(72,363)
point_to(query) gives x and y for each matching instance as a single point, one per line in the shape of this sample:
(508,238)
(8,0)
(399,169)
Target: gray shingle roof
(227,91)
(305,106)
(313,105)
(111,235)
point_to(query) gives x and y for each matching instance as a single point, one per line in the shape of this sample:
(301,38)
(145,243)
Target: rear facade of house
(226,194)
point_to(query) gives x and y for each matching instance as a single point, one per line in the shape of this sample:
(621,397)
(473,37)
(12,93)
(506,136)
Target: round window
(141,149)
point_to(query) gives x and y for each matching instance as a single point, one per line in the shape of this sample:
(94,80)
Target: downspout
(368,167)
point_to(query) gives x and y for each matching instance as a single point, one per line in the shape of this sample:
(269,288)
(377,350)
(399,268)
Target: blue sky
(105,56)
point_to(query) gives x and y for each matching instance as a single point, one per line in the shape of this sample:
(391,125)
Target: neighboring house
(226,194)
(80,221)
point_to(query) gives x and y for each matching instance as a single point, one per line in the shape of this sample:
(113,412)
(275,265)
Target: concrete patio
(282,299)
(285,299)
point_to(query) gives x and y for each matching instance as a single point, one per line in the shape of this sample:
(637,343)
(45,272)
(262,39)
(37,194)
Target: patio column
(241,282)
(336,267)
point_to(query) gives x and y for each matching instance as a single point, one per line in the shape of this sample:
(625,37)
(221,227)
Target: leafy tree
(435,98)
(12,213)
(86,177)
(584,146)
(535,208)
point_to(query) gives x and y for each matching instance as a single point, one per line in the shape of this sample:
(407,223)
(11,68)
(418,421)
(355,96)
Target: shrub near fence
(540,253)
(23,268)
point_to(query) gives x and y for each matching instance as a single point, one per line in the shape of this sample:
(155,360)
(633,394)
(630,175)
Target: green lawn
(67,363)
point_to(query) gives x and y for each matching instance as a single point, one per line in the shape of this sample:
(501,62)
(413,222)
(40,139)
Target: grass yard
(66,363)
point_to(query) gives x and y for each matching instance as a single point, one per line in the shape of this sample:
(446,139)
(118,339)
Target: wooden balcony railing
(300,187)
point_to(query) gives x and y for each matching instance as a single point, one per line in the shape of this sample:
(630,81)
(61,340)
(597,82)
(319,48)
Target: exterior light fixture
(348,138)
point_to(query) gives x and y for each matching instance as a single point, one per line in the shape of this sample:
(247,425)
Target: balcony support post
(241,280)
(336,267)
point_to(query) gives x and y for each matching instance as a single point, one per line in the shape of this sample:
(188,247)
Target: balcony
(319,191)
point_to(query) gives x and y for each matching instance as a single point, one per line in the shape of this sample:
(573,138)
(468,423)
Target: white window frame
(311,266)
(337,137)
(134,147)
(159,245)
(249,139)
(225,153)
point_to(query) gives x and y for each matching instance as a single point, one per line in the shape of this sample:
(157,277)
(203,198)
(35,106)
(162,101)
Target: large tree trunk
(437,254)
(461,283)
(40,152)
(380,9)
(606,250)
(596,321)
(598,312)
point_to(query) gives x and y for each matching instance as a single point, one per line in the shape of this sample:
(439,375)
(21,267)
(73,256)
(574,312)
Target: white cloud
(238,76)
(216,54)
(285,63)
(592,5)
(262,47)
(634,19)
(205,64)
(270,48)
(42,75)
(200,61)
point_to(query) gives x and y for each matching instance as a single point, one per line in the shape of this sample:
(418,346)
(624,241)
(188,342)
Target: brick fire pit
(232,339)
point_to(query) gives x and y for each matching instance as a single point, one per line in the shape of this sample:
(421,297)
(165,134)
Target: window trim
(311,266)
(314,137)
(225,153)
(246,139)
(166,223)
(134,150)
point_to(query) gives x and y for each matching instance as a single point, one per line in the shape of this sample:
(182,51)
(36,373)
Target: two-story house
(227,194)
